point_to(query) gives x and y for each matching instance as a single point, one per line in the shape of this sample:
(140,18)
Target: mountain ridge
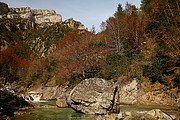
(41,17)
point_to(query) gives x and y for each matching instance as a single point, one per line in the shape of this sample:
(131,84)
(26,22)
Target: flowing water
(48,111)
(51,112)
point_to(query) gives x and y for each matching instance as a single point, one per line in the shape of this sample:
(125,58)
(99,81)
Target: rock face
(131,94)
(50,93)
(24,13)
(20,10)
(57,93)
(3,8)
(46,16)
(43,12)
(94,96)
(74,24)
(160,97)
(38,16)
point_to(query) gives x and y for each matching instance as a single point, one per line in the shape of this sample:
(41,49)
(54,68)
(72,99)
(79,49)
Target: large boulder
(94,96)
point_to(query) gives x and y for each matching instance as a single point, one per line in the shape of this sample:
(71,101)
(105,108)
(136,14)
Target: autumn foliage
(140,43)
(12,67)
(79,56)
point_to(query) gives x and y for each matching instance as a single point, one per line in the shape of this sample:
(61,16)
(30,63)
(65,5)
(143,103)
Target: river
(51,112)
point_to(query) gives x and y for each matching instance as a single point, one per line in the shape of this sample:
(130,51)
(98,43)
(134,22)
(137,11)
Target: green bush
(156,68)
(117,64)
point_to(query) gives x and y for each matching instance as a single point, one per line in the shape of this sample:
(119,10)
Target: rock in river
(156,114)
(94,96)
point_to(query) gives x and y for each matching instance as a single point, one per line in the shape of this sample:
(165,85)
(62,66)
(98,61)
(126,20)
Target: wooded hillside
(139,43)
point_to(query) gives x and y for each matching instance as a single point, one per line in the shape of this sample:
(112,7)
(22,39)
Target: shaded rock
(111,117)
(3,8)
(156,114)
(51,93)
(10,102)
(61,102)
(173,117)
(129,118)
(94,96)
(4,117)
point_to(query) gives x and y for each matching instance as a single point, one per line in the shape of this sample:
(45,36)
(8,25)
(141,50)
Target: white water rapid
(36,96)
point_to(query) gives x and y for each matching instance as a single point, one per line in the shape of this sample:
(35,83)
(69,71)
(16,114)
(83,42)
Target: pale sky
(88,12)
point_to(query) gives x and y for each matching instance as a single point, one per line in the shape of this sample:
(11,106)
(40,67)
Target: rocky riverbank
(10,103)
(98,96)
(133,93)
(154,114)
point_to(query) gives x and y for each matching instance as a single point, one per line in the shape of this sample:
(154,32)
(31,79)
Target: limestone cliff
(40,29)
(46,16)
(37,16)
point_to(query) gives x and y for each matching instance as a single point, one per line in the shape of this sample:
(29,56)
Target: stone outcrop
(24,13)
(20,10)
(74,24)
(51,93)
(58,93)
(3,8)
(46,16)
(38,16)
(131,93)
(94,96)
(14,13)
(160,97)
(43,12)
